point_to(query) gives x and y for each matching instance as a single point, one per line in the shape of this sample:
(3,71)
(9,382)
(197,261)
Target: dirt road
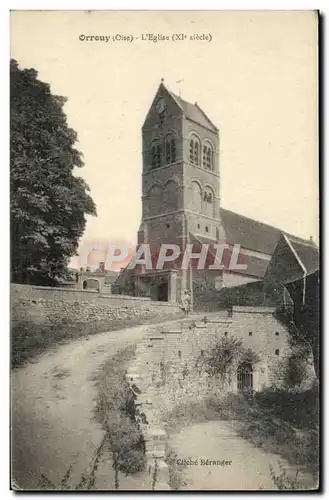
(52,408)
(245,467)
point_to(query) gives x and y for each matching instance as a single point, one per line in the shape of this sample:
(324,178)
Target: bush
(295,370)
(227,352)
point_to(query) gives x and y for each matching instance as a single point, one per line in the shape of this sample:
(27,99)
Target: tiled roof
(260,237)
(194,113)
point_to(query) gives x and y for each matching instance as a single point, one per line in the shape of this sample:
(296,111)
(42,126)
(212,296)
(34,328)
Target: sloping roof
(194,113)
(260,237)
(249,233)
(255,266)
(308,254)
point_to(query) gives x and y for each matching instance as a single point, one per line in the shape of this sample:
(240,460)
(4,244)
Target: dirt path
(247,467)
(52,408)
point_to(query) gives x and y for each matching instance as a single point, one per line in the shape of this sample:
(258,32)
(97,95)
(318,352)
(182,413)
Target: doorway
(162,295)
(91,284)
(245,377)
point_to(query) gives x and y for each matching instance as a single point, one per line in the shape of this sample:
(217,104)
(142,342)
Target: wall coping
(61,289)
(253,309)
(123,297)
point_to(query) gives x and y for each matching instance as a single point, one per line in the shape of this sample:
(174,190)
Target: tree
(48,203)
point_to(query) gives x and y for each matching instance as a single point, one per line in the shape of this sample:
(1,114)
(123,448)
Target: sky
(256,79)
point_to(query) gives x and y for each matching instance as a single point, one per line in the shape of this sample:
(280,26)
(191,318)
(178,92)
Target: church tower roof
(194,112)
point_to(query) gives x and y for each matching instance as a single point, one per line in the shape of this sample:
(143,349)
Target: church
(181,204)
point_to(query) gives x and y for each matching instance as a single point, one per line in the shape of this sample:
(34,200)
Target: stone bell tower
(180,185)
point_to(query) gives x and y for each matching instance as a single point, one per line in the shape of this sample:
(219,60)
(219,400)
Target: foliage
(301,347)
(48,203)
(249,294)
(226,352)
(283,481)
(294,370)
(116,411)
(175,468)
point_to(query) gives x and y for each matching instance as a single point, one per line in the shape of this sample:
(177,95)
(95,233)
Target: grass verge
(29,340)
(280,422)
(115,411)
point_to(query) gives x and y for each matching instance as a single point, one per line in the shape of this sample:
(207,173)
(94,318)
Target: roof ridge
(297,239)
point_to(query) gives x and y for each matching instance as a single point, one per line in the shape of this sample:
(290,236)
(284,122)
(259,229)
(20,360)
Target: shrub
(221,358)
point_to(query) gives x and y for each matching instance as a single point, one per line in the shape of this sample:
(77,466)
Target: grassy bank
(115,411)
(29,339)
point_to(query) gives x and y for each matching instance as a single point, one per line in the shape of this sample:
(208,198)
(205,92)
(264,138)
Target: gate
(244,376)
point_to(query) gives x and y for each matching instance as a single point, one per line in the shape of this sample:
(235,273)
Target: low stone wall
(43,315)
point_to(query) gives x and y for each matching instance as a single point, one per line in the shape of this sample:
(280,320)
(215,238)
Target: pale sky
(256,80)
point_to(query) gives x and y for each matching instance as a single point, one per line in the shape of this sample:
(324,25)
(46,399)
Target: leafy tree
(48,203)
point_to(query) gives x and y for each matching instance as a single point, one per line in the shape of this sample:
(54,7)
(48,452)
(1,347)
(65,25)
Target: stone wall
(41,316)
(165,375)
(168,360)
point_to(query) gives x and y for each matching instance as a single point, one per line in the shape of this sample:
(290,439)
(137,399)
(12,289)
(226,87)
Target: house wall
(166,365)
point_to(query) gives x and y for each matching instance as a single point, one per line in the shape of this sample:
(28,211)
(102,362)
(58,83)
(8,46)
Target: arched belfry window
(208,196)
(155,153)
(194,152)
(244,377)
(207,156)
(170,150)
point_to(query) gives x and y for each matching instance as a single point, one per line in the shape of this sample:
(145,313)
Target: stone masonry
(164,374)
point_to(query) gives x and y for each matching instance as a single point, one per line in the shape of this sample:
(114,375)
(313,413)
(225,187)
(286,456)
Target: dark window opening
(194,152)
(225,333)
(277,352)
(250,334)
(156,156)
(162,292)
(170,151)
(207,229)
(202,354)
(179,354)
(207,158)
(207,197)
(277,333)
(167,225)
